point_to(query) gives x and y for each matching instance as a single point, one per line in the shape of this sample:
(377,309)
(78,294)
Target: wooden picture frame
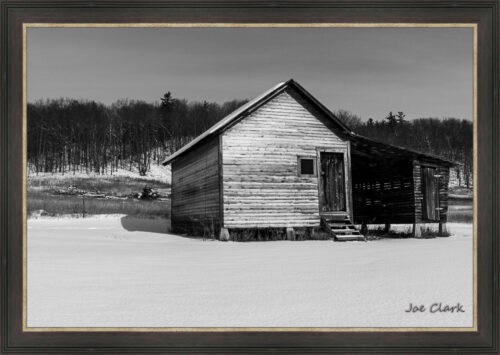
(483,15)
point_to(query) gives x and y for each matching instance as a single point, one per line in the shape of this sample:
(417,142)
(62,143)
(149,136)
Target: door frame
(346,151)
(422,184)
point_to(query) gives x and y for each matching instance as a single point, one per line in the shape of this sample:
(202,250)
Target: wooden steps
(341,227)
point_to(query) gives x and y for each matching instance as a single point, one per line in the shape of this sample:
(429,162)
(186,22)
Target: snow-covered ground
(155,172)
(119,271)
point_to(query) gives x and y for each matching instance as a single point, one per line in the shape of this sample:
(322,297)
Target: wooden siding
(195,189)
(444,173)
(261,184)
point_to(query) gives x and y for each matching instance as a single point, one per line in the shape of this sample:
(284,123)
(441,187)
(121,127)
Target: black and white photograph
(254,177)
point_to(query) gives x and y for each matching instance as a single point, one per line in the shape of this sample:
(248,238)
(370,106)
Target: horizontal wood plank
(196,188)
(262,187)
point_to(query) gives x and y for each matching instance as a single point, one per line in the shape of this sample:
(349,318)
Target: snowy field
(119,271)
(155,173)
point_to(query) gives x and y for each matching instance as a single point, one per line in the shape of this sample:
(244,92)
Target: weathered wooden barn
(283,161)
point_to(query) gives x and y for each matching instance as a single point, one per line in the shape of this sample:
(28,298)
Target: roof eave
(410,151)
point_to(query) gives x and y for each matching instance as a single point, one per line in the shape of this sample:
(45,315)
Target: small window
(307,166)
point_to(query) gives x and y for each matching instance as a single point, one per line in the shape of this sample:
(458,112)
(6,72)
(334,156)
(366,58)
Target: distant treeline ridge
(67,135)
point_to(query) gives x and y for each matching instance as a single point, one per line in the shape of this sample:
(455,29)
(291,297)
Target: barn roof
(359,143)
(251,106)
(374,150)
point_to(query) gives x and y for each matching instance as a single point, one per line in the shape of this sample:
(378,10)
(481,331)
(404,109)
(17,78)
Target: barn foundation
(416,230)
(224,235)
(443,231)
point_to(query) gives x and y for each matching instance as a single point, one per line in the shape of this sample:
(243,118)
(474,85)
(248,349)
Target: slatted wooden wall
(261,186)
(195,189)
(383,193)
(393,194)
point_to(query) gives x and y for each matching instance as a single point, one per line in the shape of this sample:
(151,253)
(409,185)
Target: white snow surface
(155,172)
(118,271)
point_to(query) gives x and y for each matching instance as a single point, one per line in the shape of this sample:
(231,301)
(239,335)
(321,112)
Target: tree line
(68,135)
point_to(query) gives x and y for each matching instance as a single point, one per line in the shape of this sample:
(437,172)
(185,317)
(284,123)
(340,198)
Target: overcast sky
(425,72)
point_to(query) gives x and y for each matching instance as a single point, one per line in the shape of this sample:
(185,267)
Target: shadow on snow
(151,225)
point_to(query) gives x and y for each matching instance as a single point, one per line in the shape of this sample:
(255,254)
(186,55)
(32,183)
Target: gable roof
(360,142)
(253,105)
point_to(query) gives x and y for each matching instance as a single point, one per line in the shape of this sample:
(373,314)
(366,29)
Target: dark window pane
(307,166)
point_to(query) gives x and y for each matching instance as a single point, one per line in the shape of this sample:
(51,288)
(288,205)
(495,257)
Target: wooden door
(332,189)
(430,194)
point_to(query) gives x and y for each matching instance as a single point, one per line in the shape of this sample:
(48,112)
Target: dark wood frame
(424,202)
(483,12)
(307,157)
(347,181)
